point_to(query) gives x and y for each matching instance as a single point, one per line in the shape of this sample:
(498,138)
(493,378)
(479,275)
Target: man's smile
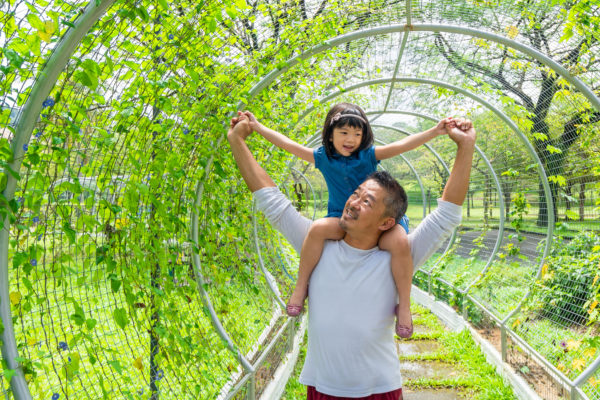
(351,213)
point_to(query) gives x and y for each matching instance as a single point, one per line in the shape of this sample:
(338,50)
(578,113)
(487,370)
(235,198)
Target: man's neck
(361,242)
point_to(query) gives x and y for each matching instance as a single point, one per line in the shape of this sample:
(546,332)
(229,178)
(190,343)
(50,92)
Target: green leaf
(211,24)
(35,22)
(79,316)
(232,12)
(219,170)
(571,215)
(90,323)
(553,150)
(20,258)
(115,283)
(15,59)
(558,179)
(88,74)
(120,316)
(71,234)
(164,4)
(33,43)
(116,365)
(9,373)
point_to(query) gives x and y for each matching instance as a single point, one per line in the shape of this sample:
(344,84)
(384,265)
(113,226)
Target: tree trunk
(582,201)
(542,219)
(468,204)
(299,192)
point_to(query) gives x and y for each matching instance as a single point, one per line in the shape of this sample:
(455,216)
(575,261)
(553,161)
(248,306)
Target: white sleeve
(429,235)
(282,215)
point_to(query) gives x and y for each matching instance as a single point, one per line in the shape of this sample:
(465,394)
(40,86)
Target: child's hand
(444,126)
(252,121)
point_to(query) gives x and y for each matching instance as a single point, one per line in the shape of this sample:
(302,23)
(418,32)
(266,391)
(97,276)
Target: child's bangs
(351,122)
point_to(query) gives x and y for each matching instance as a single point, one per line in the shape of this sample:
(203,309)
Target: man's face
(364,209)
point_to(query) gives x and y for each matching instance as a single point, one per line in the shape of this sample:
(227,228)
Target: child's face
(346,140)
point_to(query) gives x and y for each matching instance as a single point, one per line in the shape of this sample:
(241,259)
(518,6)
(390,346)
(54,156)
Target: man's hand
(239,127)
(462,132)
(252,121)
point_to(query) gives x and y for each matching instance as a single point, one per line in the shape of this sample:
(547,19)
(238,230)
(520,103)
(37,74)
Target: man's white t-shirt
(351,349)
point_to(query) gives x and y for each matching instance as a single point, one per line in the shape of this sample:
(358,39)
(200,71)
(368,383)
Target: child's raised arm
(279,140)
(413,141)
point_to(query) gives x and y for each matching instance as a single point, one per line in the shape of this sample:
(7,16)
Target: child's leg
(395,241)
(321,230)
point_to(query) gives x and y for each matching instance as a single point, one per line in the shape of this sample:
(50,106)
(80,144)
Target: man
(351,349)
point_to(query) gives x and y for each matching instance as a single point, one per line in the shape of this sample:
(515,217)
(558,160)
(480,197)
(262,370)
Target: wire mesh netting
(128,239)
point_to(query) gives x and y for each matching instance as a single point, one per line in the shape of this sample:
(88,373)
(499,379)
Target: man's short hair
(395,201)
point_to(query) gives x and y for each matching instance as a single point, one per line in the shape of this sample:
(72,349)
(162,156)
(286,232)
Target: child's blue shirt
(344,174)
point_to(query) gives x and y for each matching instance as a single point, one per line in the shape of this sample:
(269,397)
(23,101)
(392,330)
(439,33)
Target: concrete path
(420,360)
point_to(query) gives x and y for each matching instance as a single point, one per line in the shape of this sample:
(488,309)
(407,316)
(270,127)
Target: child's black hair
(349,115)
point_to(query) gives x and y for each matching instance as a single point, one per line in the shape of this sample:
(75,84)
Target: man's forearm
(254,175)
(457,186)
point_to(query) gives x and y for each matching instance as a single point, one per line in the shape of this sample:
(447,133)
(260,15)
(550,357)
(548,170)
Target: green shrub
(567,280)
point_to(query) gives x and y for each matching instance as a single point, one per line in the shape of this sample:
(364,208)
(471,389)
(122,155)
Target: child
(346,158)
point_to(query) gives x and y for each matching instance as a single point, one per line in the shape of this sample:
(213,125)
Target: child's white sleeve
(282,215)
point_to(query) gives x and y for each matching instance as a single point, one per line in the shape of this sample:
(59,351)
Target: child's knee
(394,239)
(326,229)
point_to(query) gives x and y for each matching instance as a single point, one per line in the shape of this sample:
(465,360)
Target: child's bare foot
(295,304)
(404,325)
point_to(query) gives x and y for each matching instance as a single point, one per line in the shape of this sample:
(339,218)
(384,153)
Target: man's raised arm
(254,175)
(438,226)
(277,208)
(457,185)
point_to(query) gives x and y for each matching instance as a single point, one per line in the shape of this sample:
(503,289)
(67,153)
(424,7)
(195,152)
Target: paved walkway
(439,364)
(421,361)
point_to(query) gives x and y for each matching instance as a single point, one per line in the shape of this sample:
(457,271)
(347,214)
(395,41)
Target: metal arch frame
(200,277)
(386,29)
(575,390)
(419,181)
(479,151)
(44,85)
(312,190)
(287,261)
(506,120)
(270,77)
(25,123)
(502,218)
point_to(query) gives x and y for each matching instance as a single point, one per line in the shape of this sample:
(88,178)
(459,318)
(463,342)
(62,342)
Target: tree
(533,86)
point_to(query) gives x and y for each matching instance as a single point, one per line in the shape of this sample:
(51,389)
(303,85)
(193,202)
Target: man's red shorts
(312,394)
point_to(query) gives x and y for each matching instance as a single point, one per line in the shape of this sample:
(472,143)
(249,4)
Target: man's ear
(387,223)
